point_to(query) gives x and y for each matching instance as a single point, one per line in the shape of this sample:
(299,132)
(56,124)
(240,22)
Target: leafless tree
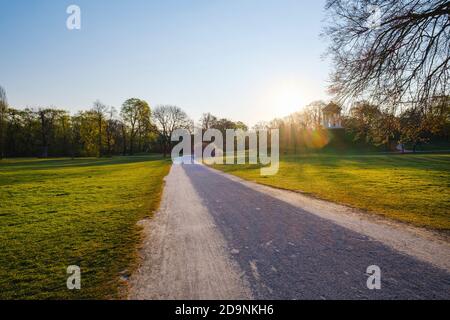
(208,121)
(312,114)
(168,118)
(390,52)
(261,125)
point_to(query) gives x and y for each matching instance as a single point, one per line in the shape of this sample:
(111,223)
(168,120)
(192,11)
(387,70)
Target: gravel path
(218,237)
(184,256)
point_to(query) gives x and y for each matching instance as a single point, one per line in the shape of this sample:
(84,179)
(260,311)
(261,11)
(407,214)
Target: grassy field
(60,212)
(409,188)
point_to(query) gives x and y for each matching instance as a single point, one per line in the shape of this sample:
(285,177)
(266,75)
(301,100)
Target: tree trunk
(1,136)
(45,151)
(124,134)
(100,137)
(165,148)
(109,146)
(140,141)
(131,144)
(44,146)
(44,129)
(72,149)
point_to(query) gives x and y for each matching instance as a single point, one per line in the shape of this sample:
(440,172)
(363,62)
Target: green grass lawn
(60,212)
(408,188)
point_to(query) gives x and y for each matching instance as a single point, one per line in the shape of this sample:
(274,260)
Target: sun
(286,97)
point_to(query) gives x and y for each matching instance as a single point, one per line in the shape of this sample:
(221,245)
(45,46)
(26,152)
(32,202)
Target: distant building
(331,116)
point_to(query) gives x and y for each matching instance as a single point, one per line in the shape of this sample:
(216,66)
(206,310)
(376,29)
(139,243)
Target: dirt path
(219,237)
(184,257)
(426,245)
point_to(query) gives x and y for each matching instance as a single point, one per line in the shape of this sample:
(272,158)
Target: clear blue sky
(246,60)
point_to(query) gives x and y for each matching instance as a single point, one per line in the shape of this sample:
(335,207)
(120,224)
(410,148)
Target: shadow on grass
(55,163)
(438,162)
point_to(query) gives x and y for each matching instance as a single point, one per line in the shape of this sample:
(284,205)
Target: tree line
(136,128)
(97,132)
(365,125)
(100,131)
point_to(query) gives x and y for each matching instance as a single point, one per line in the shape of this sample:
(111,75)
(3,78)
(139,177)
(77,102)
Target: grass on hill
(60,212)
(409,188)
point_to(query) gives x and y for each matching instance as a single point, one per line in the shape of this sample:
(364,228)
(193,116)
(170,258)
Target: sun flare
(286,97)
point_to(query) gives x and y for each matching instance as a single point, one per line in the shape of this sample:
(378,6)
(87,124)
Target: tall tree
(99,110)
(30,132)
(89,133)
(132,112)
(3,112)
(111,127)
(312,114)
(414,127)
(47,118)
(208,121)
(144,125)
(390,52)
(123,129)
(167,119)
(63,133)
(363,120)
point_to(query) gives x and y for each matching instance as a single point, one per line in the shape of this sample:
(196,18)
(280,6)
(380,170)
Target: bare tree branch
(403,60)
